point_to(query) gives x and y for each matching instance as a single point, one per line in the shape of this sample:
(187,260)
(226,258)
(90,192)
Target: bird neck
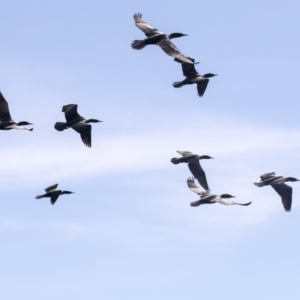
(176,35)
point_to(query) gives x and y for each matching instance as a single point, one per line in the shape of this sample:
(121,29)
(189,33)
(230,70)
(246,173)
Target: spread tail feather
(138,44)
(39,196)
(60,126)
(196,203)
(259,184)
(177,84)
(175,161)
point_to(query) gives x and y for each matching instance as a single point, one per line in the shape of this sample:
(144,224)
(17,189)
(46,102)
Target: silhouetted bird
(194,165)
(192,76)
(78,123)
(53,193)
(6,122)
(156,37)
(278,184)
(208,198)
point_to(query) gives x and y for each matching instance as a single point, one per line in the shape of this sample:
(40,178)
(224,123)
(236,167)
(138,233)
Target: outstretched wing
(285,193)
(198,173)
(85,131)
(229,202)
(183,159)
(193,187)
(189,69)
(53,198)
(4,110)
(185,153)
(267,175)
(51,188)
(145,27)
(71,113)
(201,86)
(168,47)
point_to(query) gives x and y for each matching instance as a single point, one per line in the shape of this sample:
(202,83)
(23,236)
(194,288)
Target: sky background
(129,232)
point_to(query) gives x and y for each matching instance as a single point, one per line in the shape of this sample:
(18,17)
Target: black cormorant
(194,165)
(6,122)
(278,184)
(208,198)
(53,193)
(78,123)
(156,37)
(192,76)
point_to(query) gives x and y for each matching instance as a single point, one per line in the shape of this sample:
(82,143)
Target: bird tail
(175,161)
(177,84)
(60,126)
(39,196)
(196,203)
(138,44)
(259,184)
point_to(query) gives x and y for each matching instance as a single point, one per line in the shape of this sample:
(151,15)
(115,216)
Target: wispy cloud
(153,149)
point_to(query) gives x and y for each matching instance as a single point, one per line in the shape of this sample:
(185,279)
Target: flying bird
(277,182)
(192,76)
(194,165)
(53,193)
(78,123)
(156,37)
(6,122)
(207,198)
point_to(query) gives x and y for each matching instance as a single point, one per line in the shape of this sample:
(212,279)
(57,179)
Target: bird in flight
(156,37)
(77,122)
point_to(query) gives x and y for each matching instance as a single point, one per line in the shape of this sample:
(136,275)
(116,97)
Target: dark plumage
(208,198)
(156,37)
(78,123)
(192,76)
(6,122)
(53,193)
(278,184)
(194,165)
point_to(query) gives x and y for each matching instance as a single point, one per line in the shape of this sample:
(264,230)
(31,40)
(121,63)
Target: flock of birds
(82,126)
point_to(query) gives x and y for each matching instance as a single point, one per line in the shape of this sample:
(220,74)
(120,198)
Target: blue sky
(129,232)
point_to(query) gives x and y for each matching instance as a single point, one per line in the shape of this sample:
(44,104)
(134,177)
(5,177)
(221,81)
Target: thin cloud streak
(68,158)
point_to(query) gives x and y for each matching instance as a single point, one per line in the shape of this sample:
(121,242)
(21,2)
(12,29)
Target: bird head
(209,75)
(291,179)
(176,35)
(92,121)
(205,157)
(227,196)
(24,123)
(67,192)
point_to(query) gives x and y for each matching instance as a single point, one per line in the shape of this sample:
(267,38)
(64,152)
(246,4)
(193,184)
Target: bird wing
(168,47)
(193,187)
(4,110)
(189,69)
(229,202)
(201,86)
(51,188)
(198,173)
(185,153)
(267,175)
(285,192)
(85,131)
(71,113)
(182,159)
(54,197)
(145,27)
